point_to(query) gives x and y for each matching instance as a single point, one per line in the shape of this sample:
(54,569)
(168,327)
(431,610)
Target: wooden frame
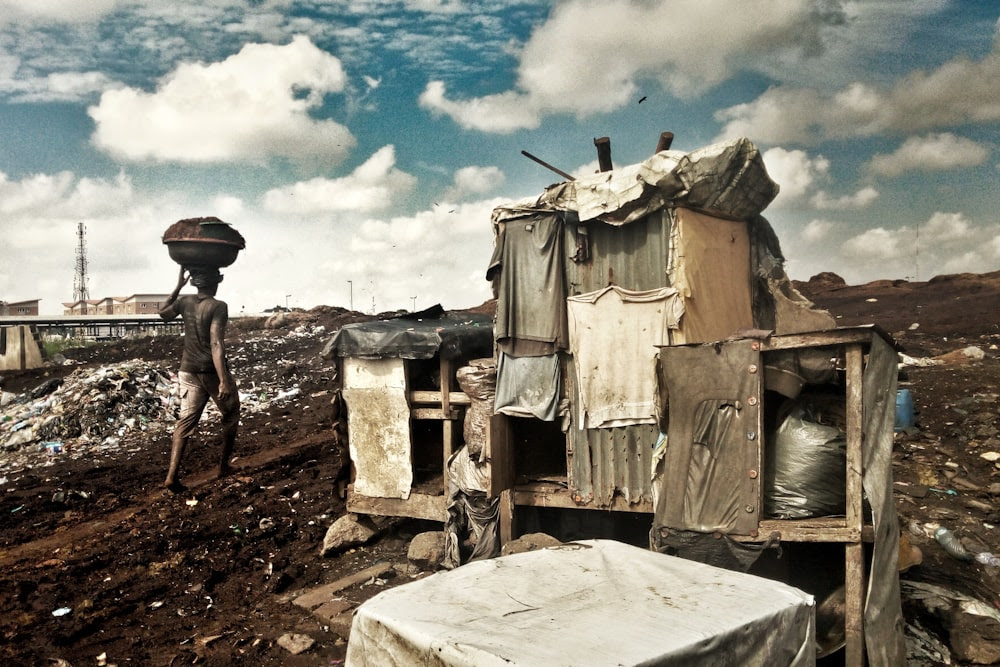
(445,405)
(851,530)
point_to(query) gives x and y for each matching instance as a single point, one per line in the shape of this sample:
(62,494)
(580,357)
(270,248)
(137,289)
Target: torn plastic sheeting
(471,515)
(727,179)
(452,335)
(565,600)
(479,382)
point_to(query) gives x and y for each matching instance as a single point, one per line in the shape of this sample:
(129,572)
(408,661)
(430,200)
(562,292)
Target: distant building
(29,307)
(82,307)
(136,304)
(143,304)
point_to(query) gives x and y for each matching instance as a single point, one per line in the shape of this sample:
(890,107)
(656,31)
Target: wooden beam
(322,594)
(422,397)
(434,413)
(508,529)
(417,506)
(854,564)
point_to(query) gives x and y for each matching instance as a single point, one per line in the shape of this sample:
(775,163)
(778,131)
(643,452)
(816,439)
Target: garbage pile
(95,410)
(90,408)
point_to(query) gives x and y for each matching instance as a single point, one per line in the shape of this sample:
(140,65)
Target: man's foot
(174,486)
(225,471)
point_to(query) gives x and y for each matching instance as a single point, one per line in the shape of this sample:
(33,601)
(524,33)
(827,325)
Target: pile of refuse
(89,408)
(97,410)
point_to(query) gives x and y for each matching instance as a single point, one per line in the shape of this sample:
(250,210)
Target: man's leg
(230,410)
(194,397)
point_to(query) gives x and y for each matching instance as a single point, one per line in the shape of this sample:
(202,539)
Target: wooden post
(447,427)
(666,138)
(854,565)
(604,153)
(508,529)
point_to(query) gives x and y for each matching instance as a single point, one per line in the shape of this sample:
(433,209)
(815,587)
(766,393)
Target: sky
(360,146)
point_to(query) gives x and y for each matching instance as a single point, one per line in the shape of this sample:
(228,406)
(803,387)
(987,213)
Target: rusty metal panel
(603,462)
(711,469)
(633,256)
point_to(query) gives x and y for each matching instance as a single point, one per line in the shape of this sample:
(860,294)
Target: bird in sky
(642,99)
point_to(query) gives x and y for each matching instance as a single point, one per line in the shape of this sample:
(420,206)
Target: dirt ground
(99,565)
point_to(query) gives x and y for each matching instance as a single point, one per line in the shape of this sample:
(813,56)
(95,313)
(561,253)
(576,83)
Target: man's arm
(169,312)
(227,385)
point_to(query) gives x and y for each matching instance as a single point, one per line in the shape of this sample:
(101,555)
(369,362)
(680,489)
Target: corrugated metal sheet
(633,256)
(605,461)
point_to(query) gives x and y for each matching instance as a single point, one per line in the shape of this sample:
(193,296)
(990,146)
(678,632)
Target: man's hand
(182,278)
(226,388)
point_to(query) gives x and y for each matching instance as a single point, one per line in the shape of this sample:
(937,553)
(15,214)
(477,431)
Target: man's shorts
(195,390)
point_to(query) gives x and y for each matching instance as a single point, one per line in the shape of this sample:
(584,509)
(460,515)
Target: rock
(295,643)
(529,542)
(973,626)
(276,321)
(348,531)
(962,356)
(427,550)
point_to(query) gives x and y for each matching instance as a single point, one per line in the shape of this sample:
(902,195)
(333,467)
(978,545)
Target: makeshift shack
(652,357)
(403,404)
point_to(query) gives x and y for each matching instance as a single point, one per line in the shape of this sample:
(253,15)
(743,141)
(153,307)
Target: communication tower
(80,290)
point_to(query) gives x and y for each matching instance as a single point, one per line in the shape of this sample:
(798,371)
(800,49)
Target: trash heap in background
(95,410)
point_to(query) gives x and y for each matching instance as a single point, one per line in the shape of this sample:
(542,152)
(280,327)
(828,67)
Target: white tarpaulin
(593,602)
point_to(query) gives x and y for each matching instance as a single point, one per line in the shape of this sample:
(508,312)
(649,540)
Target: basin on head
(203,242)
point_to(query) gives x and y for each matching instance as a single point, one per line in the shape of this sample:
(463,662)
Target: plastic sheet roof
(415,336)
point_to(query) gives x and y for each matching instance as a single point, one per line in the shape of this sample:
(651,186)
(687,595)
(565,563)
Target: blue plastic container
(904,409)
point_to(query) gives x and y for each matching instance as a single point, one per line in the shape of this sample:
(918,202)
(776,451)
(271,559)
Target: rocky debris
(348,531)
(295,643)
(973,626)
(427,550)
(529,542)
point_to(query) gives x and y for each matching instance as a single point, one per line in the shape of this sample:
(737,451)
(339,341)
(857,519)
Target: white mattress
(593,602)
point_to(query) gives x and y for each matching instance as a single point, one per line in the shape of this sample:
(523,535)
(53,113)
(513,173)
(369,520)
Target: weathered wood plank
(417,506)
(322,594)
(421,397)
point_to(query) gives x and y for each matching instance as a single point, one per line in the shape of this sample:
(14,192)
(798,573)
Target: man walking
(204,371)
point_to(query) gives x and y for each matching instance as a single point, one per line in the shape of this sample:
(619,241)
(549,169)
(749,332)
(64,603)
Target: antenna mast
(80,290)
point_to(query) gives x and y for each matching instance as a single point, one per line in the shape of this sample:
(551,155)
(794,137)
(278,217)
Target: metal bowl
(202,252)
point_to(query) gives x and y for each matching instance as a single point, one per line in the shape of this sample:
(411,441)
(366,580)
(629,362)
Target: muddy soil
(99,565)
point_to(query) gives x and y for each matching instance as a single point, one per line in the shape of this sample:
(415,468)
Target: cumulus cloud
(947,242)
(502,113)
(474,181)
(250,107)
(879,243)
(958,92)
(933,152)
(816,230)
(795,172)
(687,45)
(12,11)
(421,247)
(823,201)
(63,195)
(375,185)
(53,87)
